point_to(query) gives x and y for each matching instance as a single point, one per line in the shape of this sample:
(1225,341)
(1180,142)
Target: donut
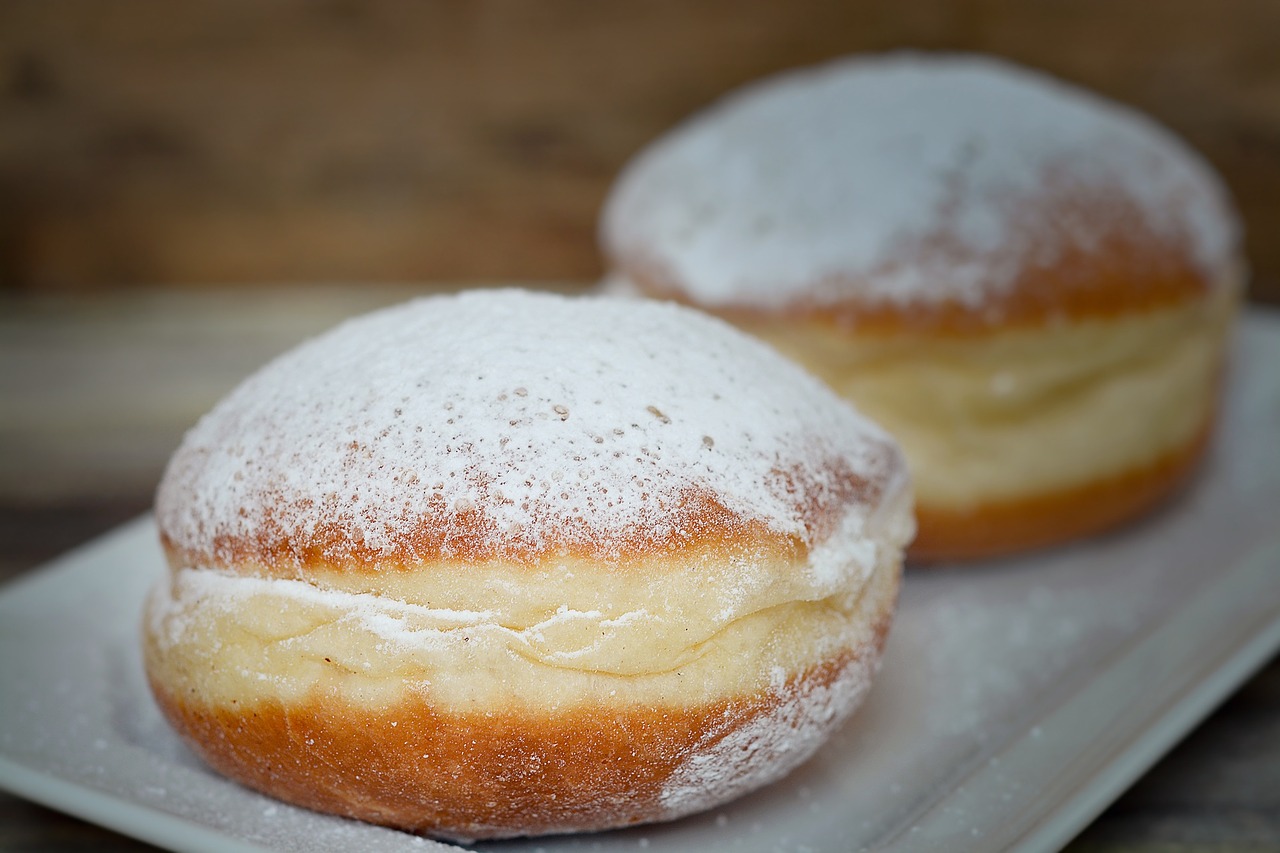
(1030,287)
(501,564)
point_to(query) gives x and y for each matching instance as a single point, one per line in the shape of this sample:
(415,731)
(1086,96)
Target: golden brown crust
(699,521)
(703,522)
(461,776)
(479,775)
(1008,527)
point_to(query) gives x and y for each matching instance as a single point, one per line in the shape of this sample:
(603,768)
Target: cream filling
(1028,412)
(683,634)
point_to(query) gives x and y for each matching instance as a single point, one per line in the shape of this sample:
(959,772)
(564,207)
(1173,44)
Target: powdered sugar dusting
(903,179)
(507,423)
(768,746)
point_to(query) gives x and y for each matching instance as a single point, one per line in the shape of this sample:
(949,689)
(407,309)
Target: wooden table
(95,393)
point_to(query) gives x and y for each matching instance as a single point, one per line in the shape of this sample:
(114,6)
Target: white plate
(1017,698)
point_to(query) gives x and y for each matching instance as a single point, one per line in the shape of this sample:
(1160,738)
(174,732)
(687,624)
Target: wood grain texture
(236,142)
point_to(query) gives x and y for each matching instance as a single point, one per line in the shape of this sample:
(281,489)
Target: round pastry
(1028,286)
(505,564)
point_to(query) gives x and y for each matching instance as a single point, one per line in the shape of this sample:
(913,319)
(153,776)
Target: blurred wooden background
(152,153)
(150,143)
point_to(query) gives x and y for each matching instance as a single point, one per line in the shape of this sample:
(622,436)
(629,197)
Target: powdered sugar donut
(1030,287)
(471,568)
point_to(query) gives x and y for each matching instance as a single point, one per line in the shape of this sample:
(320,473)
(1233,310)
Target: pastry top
(511,426)
(953,187)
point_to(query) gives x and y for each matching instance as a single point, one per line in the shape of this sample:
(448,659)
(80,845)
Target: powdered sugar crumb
(768,746)
(901,179)
(508,422)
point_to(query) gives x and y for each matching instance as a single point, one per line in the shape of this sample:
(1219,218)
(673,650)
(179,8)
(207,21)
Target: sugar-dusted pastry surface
(941,191)
(516,427)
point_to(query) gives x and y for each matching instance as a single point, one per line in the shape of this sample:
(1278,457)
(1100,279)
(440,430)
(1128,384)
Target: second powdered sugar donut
(1029,286)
